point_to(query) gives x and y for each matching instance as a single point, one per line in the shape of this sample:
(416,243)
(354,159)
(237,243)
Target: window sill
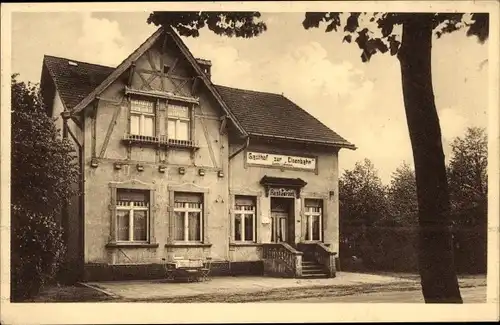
(132,245)
(180,245)
(244,244)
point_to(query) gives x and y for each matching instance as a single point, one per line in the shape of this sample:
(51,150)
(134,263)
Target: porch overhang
(295,184)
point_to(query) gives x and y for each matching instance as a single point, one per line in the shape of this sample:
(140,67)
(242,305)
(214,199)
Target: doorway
(282,220)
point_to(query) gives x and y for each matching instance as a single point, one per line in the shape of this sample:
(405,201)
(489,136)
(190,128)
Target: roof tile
(75,82)
(274,115)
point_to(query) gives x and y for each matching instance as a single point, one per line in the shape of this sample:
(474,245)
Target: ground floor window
(314,216)
(244,219)
(188,211)
(132,215)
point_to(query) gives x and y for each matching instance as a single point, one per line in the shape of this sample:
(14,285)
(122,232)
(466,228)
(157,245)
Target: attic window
(73,63)
(166,69)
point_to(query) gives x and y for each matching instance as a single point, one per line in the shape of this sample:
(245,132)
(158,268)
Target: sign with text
(268,159)
(282,192)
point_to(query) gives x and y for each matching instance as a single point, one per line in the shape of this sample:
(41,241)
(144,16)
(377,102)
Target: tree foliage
(468,179)
(402,197)
(42,173)
(468,172)
(362,205)
(228,23)
(379,32)
(362,196)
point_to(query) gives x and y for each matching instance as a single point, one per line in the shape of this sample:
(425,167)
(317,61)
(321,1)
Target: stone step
(311,264)
(314,275)
(315,270)
(312,267)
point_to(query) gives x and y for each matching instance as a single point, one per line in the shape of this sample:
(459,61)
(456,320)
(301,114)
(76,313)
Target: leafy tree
(363,203)
(468,173)
(42,172)
(402,194)
(413,50)
(362,195)
(468,181)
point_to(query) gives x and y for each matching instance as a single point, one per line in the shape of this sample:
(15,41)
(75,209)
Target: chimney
(206,66)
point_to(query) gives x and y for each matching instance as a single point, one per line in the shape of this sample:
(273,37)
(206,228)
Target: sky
(360,101)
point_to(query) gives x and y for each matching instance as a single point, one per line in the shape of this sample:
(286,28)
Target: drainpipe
(247,142)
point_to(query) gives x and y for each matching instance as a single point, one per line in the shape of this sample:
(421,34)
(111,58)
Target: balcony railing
(135,138)
(161,141)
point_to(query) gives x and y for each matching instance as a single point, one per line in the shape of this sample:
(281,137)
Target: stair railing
(281,259)
(321,254)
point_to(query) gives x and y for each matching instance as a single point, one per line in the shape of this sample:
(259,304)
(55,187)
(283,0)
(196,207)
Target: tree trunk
(435,253)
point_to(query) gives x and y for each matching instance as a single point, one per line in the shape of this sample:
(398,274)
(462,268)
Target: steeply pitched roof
(74,80)
(273,115)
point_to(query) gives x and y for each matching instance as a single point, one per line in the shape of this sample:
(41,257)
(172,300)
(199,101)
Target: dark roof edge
(78,61)
(346,144)
(51,74)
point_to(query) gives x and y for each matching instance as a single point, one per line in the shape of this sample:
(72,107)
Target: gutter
(247,142)
(332,144)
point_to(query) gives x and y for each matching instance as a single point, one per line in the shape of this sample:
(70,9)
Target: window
(178,122)
(142,117)
(166,69)
(244,219)
(313,219)
(132,215)
(188,212)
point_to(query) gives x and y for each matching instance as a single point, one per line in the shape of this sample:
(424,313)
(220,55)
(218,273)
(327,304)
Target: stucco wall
(212,156)
(57,109)
(244,180)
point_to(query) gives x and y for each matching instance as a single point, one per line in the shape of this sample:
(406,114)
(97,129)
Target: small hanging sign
(282,192)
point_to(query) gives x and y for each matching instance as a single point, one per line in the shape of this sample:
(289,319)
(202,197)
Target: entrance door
(282,220)
(279,223)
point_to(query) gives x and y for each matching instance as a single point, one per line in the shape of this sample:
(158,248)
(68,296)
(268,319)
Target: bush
(37,252)
(381,249)
(43,172)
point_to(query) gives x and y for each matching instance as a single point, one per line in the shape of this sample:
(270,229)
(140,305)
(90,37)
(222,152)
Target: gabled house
(174,165)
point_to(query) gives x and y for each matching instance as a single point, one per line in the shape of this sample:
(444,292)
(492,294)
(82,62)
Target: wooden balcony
(161,141)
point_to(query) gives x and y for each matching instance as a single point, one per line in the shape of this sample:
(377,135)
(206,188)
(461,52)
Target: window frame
(308,219)
(178,120)
(205,217)
(142,115)
(113,207)
(244,215)
(185,210)
(131,208)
